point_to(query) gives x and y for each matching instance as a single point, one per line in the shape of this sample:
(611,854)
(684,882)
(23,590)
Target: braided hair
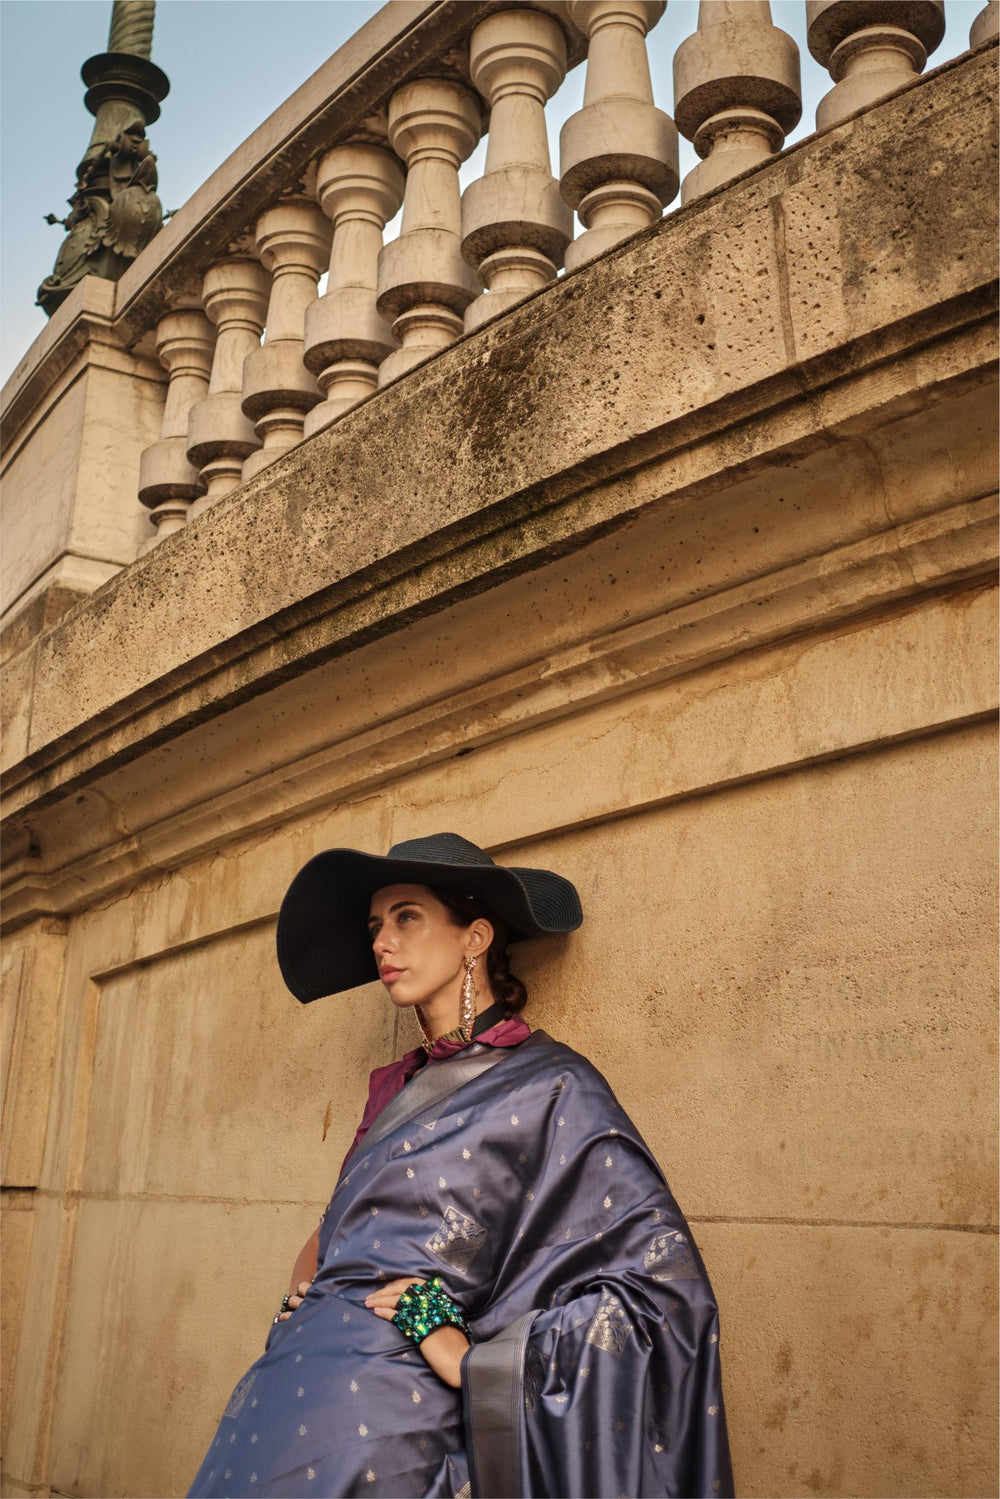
(462,911)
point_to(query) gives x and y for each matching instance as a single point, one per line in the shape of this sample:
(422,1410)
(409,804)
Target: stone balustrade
(619,152)
(515,226)
(736,90)
(870,49)
(986,26)
(168,481)
(293,241)
(360,187)
(220,436)
(424,285)
(388,122)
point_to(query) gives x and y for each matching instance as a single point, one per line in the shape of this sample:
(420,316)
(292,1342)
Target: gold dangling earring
(428,1039)
(467,1013)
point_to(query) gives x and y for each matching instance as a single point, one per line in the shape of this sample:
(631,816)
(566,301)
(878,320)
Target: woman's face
(418,949)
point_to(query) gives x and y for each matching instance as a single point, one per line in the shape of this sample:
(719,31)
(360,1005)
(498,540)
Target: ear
(478,937)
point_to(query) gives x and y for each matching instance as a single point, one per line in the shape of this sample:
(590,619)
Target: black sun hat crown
(323,943)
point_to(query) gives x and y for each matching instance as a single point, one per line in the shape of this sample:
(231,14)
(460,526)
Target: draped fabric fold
(615,1386)
(594,1369)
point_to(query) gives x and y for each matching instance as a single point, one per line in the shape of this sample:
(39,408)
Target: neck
(442,1013)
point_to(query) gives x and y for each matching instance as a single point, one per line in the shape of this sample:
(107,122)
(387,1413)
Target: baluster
(423,282)
(168,483)
(515,226)
(619,152)
(867,53)
(736,91)
(293,241)
(220,437)
(986,26)
(360,187)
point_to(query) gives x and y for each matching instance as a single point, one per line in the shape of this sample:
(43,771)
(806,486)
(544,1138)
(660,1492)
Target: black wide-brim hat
(323,941)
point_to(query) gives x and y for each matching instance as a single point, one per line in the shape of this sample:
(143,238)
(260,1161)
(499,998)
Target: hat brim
(322,938)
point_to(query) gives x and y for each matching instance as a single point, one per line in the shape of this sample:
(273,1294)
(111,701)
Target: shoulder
(572,1102)
(551,1052)
(543,1058)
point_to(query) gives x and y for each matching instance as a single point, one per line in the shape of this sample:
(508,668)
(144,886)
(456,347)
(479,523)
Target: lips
(387,975)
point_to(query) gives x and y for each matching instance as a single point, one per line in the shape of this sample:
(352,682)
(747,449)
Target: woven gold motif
(457,1240)
(669,1257)
(610,1326)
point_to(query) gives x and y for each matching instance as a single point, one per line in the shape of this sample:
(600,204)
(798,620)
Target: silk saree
(515,1176)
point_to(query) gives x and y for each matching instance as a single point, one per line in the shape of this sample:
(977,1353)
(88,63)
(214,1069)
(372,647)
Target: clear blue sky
(230,63)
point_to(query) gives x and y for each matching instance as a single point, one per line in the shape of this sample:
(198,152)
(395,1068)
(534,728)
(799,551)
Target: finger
(383,1298)
(303,1287)
(385,1312)
(393,1288)
(283,1316)
(294,1302)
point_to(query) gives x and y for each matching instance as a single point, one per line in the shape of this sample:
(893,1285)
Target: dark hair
(462,911)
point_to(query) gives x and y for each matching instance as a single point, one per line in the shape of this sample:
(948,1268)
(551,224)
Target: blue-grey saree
(594,1369)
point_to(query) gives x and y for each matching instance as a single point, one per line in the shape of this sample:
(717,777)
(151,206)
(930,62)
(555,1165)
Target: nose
(382,944)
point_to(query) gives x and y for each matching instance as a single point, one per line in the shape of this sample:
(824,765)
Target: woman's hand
(444,1348)
(294,1300)
(303,1273)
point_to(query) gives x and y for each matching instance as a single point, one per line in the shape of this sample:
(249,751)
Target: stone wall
(679,579)
(72,438)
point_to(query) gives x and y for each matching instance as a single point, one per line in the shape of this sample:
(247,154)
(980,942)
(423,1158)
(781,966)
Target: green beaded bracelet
(421,1310)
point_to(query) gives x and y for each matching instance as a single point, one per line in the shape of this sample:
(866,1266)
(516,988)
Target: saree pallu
(594,1368)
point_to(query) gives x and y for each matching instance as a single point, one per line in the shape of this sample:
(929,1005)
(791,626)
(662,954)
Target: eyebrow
(397,907)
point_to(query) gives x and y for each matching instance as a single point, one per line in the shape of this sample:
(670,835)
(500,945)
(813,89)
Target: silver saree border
(493,1391)
(432,1085)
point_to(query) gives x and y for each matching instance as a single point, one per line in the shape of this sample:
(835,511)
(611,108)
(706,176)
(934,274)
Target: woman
(502,1297)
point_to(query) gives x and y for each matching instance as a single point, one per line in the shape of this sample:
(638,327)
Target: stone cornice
(139,821)
(429,571)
